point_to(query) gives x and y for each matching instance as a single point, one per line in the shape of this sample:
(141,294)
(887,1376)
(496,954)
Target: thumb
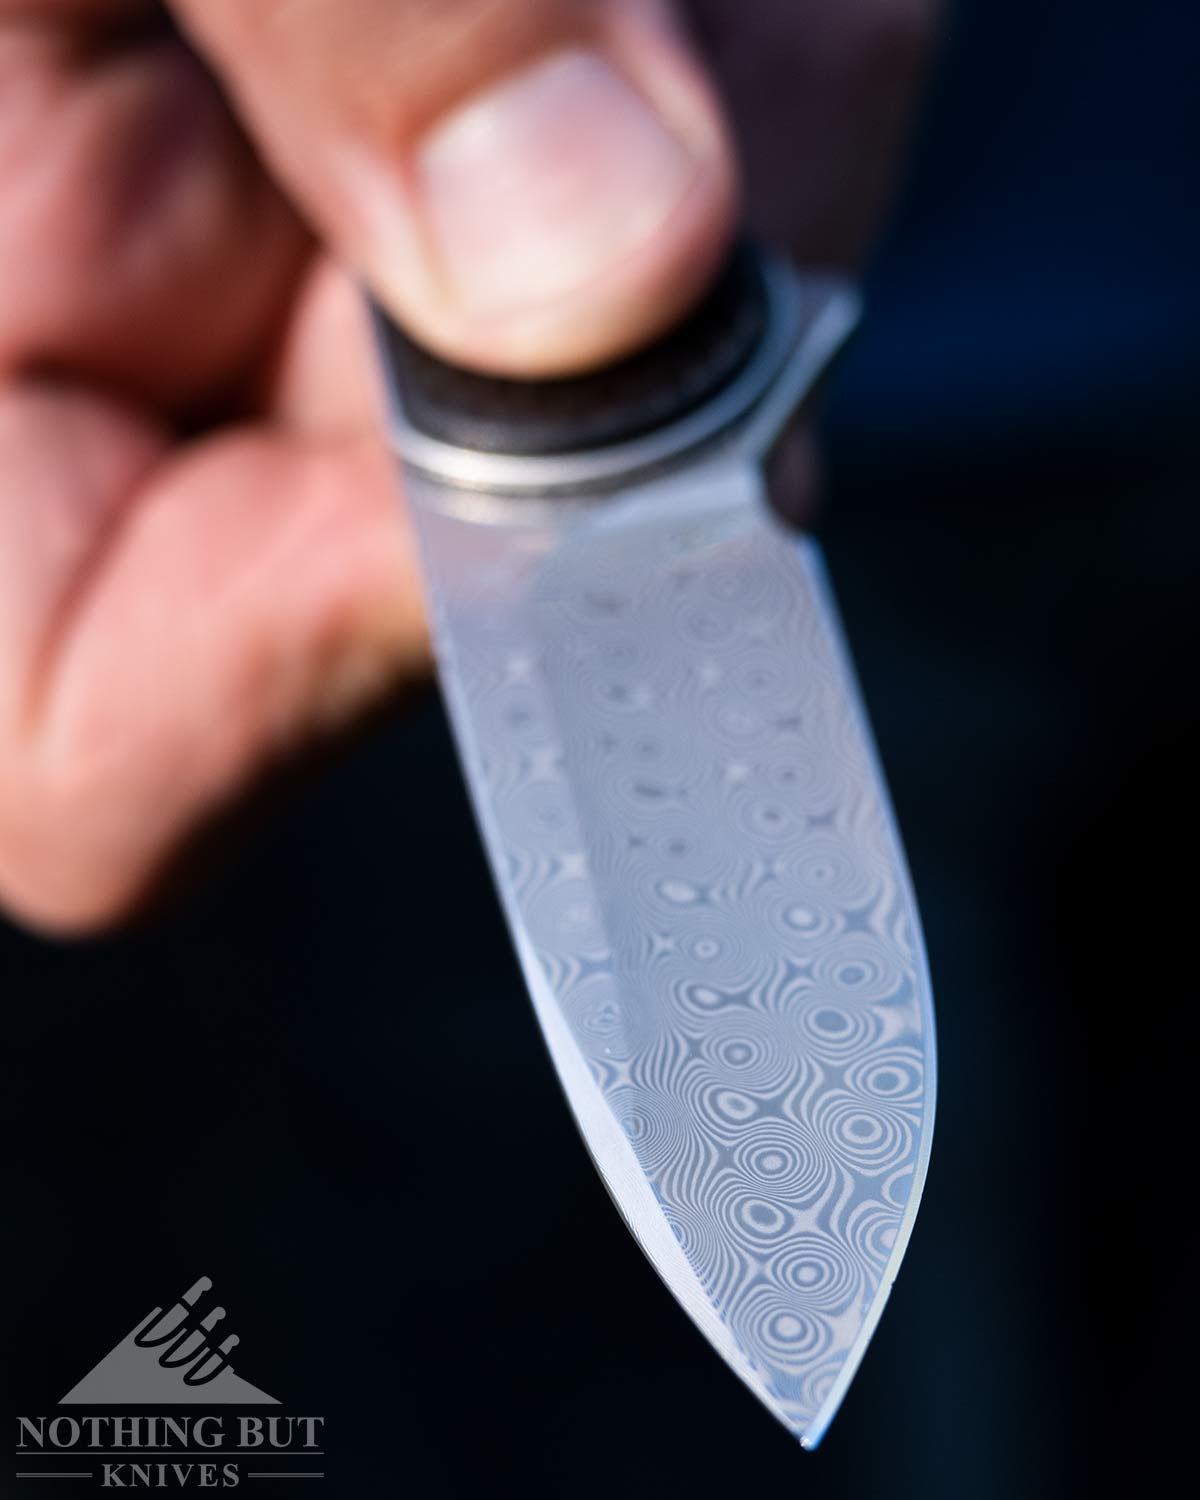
(531,187)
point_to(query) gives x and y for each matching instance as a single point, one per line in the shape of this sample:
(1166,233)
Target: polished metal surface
(696,856)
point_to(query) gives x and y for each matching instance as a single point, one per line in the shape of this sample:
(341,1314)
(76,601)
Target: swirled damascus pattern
(694,844)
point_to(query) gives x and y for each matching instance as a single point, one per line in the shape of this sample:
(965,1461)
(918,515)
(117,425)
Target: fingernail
(539,185)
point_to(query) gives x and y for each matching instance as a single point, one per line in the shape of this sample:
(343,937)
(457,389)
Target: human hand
(203,563)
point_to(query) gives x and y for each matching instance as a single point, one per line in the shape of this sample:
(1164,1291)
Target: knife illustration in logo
(171,1359)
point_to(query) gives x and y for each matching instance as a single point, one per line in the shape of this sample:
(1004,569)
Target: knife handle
(648,390)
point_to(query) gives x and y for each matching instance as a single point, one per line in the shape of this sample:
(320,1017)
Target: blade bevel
(511,604)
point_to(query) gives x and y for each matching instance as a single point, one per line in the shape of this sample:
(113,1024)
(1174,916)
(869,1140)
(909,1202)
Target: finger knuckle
(55,873)
(33,873)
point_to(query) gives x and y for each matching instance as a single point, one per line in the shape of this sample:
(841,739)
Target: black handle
(650,389)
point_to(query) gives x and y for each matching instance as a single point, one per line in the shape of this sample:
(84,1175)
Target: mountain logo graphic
(170,1359)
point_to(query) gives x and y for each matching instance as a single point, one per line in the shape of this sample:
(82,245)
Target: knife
(676,786)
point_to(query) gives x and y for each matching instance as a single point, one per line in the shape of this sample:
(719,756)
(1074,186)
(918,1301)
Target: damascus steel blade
(696,856)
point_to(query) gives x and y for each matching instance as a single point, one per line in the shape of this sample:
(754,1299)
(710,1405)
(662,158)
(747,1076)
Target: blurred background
(318,1080)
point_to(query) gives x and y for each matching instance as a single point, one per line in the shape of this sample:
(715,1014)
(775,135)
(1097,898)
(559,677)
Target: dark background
(319,1081)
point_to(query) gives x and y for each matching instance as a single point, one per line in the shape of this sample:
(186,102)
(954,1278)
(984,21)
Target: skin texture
(204,565)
